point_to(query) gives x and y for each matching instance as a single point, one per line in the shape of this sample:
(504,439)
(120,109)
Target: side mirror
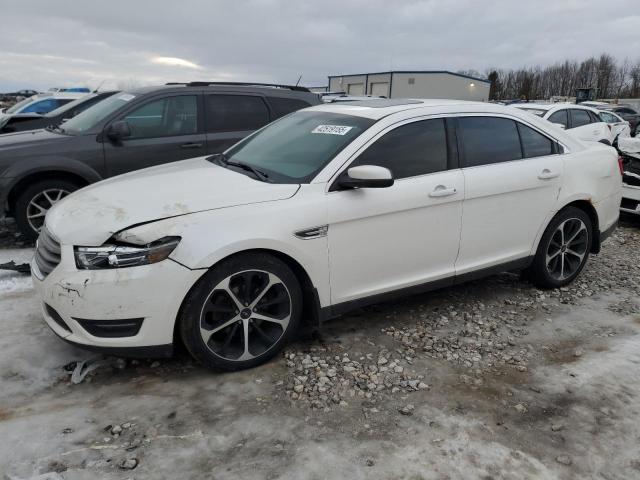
(119,130)
(560,125)
(366,176)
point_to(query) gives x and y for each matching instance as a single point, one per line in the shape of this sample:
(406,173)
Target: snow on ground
(552,394)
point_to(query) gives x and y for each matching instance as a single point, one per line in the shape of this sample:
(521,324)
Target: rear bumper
(630,199)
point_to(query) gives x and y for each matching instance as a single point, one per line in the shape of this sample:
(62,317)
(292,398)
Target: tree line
(611,78)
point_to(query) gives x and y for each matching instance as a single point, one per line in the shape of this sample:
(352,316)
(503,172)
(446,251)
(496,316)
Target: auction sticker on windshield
(331,129)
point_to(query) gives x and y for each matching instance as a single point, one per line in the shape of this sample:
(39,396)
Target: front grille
(629,204)
(47,255)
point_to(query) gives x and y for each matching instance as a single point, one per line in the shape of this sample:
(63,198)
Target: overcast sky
(62,43)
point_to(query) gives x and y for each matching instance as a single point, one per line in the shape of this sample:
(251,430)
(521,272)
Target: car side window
(594,118)
(579,118)
(534,144)
(228,113)
(166,117)
(282,106)
(607,117)
(413,149)
(560,117)
(488,140)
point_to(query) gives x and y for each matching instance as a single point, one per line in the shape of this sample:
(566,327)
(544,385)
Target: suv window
(166,117)
(560,117)
(228,113)
(534,144)
(489,140)
(579,118)
(413,149)
(625,110)
(283,106)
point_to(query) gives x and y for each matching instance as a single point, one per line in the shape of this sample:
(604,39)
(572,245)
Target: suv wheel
(563,250)
(33,204)
(242,312)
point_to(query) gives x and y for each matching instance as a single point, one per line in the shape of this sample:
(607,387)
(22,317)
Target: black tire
(548,274)
(32,192)
(209,308)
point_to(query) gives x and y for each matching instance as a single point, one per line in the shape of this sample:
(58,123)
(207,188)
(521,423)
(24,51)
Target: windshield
(95,114)
(296,147)
(19,105)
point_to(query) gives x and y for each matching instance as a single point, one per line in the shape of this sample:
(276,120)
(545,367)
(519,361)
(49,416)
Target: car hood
(20,140)
(90,216)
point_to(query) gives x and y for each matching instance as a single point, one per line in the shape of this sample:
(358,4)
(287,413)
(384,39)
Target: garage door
(355,89)
(380,89)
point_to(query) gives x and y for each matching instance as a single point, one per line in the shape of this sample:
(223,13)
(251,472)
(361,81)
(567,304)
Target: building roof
(415,72)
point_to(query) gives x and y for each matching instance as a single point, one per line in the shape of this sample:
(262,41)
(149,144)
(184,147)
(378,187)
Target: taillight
(620,165)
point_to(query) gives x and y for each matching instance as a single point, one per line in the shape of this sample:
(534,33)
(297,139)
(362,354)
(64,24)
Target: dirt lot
(493,379)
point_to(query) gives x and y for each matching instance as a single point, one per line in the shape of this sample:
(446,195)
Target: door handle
(191,145)
(547,174)
(442,191)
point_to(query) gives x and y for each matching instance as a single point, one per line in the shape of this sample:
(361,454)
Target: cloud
(173,61)
(154,41)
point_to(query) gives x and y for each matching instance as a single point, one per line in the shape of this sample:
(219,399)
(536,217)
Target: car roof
(272,90)
(379,108)
(551,106)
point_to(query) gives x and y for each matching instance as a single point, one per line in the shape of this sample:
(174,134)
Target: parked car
(618,126)
(42,103)
(583,122)
(627,113)
(629,149)
(129,131)
(329,208)
(31,121)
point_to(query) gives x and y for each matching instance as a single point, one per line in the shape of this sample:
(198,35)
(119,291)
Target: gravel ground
(492,379)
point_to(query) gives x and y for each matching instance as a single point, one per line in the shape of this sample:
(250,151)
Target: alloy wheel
(40,205)
(245,315)
(567,249)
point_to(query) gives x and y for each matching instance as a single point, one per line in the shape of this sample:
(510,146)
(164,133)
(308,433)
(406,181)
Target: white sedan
(324,210)
(582,122)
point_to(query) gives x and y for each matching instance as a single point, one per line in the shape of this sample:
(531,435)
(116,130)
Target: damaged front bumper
(126,311)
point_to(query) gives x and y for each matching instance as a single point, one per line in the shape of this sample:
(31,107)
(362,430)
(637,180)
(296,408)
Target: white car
(326,209)
(582,122)
(618,126)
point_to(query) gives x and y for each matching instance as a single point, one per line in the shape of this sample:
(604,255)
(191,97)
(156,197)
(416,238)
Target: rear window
(559,117)
(228,113)
(579,118)
(283,106)
(489,140)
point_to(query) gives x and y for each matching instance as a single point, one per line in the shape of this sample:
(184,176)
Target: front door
(404,235)
(162,130)
(512,176)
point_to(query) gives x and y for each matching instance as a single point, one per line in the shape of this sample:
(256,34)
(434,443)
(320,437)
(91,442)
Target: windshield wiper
(260,175)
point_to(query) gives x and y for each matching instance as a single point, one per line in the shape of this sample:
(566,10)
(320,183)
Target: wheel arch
(587,207)
(23,182)
(311,309)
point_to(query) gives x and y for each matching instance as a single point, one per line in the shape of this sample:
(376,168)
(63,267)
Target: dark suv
(133,130)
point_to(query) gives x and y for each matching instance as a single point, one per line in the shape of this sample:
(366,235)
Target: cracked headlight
(120,255)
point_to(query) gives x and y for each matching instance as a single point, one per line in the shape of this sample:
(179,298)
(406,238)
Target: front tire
(563,250)
(242,312)
(36,200)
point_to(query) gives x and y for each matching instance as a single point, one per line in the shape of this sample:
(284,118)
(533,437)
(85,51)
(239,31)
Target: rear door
(163,130)
(512,175)
(230,117)
(583,126)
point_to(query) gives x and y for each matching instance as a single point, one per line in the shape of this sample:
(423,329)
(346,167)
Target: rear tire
(563,250)
(36,200)
(241,312)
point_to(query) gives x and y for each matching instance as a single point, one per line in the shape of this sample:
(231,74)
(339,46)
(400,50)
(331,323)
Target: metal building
(413,84)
